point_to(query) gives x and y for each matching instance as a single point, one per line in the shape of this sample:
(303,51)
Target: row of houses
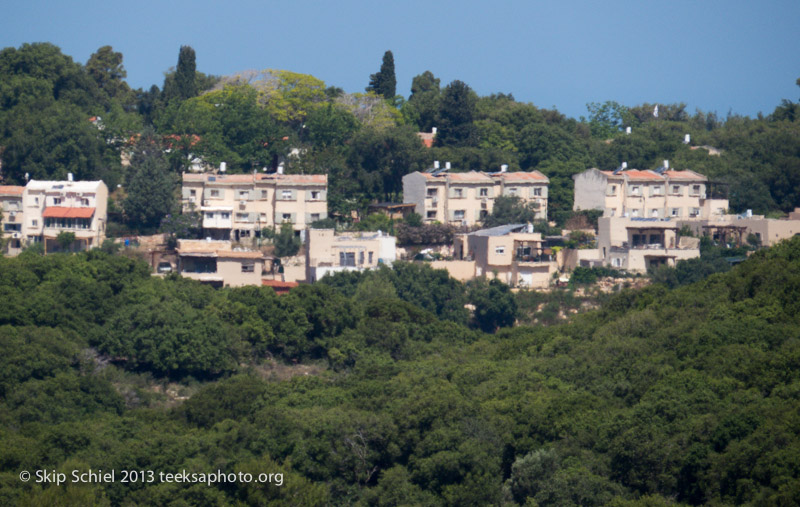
(41,210)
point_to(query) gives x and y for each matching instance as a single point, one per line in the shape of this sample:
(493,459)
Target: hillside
(663,396)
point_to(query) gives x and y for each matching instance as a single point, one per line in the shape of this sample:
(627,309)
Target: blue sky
(739,56)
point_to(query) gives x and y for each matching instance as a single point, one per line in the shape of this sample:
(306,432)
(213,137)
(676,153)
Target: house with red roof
(466,198)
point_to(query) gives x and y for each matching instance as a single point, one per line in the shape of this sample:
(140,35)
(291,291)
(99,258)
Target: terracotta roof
(65,212)
(301,179)
(427,138)
(11,190)
(685,175)
(520,176)
(469,177)
(636,174)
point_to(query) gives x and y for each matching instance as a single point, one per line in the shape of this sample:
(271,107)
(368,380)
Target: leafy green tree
(286,243)
(422,107)
(183,84)
(65,240)
(608,118)
(456,115)
(510,210)
(151,186)
(105,67)
(384,82)
(495,306)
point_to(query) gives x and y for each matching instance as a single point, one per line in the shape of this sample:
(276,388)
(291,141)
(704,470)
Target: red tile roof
(686,175)
(11,190)
(469,177)
(65,212)
(427,138)
(523,177)
(636,174)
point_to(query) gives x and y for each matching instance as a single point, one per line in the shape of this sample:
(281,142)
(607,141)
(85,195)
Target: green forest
(365,141)
(393,394)
(401,385)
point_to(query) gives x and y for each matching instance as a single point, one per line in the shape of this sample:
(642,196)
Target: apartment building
(327,252)
(465,199)
(52,207)
(647,194)
(637,244)
(238,207)
(513,254)
(11,218)
(735,229)
(218,264)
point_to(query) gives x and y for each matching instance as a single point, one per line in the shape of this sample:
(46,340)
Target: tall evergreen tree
(384,82)
(185,73)
(456,115)
(151,185)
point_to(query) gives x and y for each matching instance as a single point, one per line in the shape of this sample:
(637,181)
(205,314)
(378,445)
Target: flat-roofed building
(327,252)
(238,207)
(465,199)
(638,244)
(217,263)
(11,218)
(53,207)
(513,254)
(647,194)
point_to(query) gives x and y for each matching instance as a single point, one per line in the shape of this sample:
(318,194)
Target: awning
(65,212)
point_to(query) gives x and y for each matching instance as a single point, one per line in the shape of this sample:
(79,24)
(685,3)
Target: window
(264,194)
(347,258)
(695,212)
(286,194)
(56,201)
(537,191)
(242,217)
(248,268)
(636,190)
(370,257)
(612,212)
(459,214)
(286,217)
(612,190)
(209,215)
(244,195)
(675,212)
(695,190)
(84,202)
(458,193)
(431,215)
(315,217)
(657,190)
(361,258)
(500,250)
(193,193)
(34,223)
(513,191)
(676,189)
(224,215)
(214,194)
(36,201)
(634,212)
(617,262)
(484,192)
(432,192)
(315,194)
(654,213)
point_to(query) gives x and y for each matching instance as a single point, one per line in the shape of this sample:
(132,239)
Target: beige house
(513,254)
(328,253)
(647,194)
(735,229)
(465,199)
(11,219)
(218,264)
(52,207)
(238,207)
(636,244)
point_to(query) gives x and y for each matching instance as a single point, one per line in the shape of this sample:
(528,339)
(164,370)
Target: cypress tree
(384,82)
(185,73)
